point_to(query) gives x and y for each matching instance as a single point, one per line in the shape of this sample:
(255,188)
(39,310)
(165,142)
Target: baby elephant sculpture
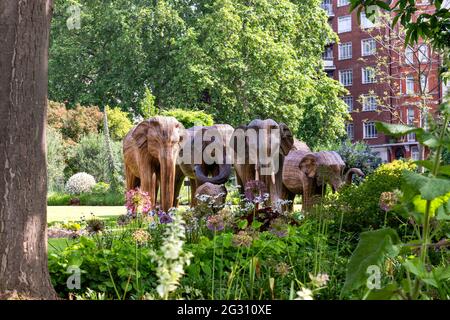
(150,152)
(308,174)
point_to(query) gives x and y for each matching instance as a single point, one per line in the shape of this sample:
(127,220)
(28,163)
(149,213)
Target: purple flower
(164,217)
(255,190)
(215,223)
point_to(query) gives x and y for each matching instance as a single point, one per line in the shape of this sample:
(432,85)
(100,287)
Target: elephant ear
(286,139)
(140,134)
(308,165)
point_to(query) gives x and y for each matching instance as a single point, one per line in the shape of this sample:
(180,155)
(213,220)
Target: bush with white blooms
(79,183)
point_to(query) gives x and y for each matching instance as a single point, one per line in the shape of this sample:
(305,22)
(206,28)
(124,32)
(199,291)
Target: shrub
(74,123)
(55,160)
(359,155)
(91,156)
(119,123)
(100,187)
(80,183)
(190,118)
(359,205)
(58,199)
(147,107)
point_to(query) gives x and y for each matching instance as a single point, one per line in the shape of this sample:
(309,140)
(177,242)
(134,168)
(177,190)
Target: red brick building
(386,82)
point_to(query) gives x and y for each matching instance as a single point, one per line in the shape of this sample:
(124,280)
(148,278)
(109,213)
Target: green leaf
(435,187)
(387,293)
(445,170)
(396,130)
(372,249)
(75,259)
(242,224)
(256,224)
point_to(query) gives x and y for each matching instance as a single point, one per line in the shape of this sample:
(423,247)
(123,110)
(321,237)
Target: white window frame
(410,121)
(409,80)
(409,55)
(365,75)
(350,129)
(424,83)
(363,47)
(423,53)
(348,73)
(349,102)
(365,22)
(415,155)
(342,3)
(372,106)
(346,47)
(340,27)
(373,132)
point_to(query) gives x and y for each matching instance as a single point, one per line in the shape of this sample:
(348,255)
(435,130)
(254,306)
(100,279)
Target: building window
(415,153)
(369,103)
(345,51)
(423,53)
(409,85)
(370,131)
(365,22)
(423,83)
(410,121)
(409,55)
(349,101)
(368,47)
(368,75)
(350,132)
(346,77)
(328,54)
(328,7)
(342,3)
(344,24)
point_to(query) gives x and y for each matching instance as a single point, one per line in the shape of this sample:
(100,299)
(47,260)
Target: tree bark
(24,29)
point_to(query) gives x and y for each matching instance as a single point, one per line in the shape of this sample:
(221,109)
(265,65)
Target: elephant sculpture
(308,174)
(150,152)
(255,159)
(203,164)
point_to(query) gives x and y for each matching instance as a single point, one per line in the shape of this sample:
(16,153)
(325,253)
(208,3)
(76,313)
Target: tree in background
(25,29)
(119,123)
(236,60)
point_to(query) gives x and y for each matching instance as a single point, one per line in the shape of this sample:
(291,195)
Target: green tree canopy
(236,60)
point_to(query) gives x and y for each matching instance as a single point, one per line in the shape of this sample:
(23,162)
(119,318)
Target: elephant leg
(157,183)
(308,193)
(131,180)
(179,178)
(194,185)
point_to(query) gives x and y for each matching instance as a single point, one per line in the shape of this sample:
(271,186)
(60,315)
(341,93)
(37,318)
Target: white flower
(304,294)
(79,183)
(320,280)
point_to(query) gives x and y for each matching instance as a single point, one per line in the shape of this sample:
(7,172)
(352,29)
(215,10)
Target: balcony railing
(328,64)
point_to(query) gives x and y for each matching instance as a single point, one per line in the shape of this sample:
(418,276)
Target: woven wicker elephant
(150,151)
(308,174)
(203,164)
(248,151)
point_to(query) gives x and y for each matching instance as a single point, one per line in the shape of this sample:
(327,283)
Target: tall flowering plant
(171,258)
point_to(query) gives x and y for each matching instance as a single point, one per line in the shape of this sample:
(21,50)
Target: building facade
(385,81)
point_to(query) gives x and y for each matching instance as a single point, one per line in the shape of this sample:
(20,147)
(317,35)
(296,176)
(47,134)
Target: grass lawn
(74,213)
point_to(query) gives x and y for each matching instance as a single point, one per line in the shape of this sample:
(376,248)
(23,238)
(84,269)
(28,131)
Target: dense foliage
(190,118)
(235,60)
(55,160)
(357,207)
(359,155)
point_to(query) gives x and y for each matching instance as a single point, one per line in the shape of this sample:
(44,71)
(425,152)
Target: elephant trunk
(221,178)
(349,175)
(167,165)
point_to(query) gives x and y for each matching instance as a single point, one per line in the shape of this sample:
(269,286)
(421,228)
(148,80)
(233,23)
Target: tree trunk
(24,29)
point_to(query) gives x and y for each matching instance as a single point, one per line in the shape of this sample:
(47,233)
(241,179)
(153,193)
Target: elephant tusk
(256,173)
(273,177)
